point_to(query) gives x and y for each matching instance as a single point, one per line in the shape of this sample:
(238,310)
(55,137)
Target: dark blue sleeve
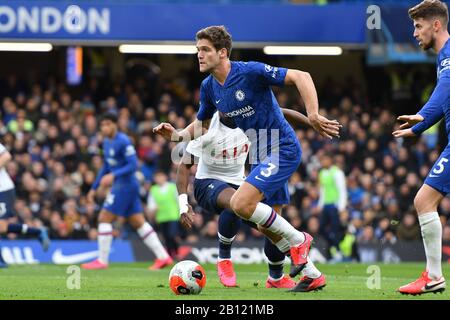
(104,170)
(207,108)
(267,75)
(433,111)
(131,161)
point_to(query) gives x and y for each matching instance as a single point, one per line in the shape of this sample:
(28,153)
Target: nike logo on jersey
(59,258)
(433,175)
(217,101)
(258,178)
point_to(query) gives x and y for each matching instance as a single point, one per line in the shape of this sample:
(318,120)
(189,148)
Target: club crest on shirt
(111,152)
(240,95)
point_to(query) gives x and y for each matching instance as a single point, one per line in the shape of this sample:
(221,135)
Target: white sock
(151,240)
(105,238)
(431,228)
(283,245)
(265,216)
(311,271)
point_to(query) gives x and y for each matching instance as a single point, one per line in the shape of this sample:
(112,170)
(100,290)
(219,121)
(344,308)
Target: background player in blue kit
(118,173)
(430,19)
(242,94)
(7,199)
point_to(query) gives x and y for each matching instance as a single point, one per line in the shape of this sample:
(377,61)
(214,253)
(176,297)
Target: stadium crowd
(54,138)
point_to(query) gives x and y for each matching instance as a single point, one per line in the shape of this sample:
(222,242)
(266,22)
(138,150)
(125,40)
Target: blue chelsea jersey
(246,101)
(443,75)
(438,105)
(120,159)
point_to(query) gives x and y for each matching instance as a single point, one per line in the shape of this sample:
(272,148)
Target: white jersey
(6,182)
(222,152)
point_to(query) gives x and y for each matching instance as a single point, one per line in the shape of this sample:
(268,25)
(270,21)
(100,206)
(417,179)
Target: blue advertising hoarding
(119,22)
(62,252)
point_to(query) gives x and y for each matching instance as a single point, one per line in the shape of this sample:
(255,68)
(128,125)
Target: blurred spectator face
(91,124)
(369,164)
(38,168)
(160,178)
(211,229)
(53,132)
(292,212)
(384,224)
(313,225)
(70,147)
(446,234)
(409,220)
(97,162)
(326,161)
(388,162)
(368,233)
(372,145)
(403,155)
(189,111)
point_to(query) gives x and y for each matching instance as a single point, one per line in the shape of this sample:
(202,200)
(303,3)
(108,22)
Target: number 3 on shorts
(267,172)
(440,166)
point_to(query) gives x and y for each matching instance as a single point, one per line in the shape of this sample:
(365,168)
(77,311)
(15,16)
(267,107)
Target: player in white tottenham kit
(7,199)
(222,153)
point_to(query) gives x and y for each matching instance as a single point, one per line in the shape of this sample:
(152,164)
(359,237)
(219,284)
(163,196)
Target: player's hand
(404,133)
(167,131)
(326,128)
(107,180)
(90,197)
(187,218)
(410,120)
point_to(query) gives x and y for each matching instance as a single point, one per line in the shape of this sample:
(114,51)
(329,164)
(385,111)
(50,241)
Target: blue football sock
(229,224)
(19,228)
(276,259)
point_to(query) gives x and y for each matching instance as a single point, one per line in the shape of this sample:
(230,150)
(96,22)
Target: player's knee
(242,206)
(421,204)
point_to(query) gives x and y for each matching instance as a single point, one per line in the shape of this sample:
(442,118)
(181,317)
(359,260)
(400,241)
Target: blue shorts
(7,199)
(271,177)
(206,192)
(439,175)
(123,200)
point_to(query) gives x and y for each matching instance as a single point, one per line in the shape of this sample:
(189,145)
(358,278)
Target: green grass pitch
(134,281)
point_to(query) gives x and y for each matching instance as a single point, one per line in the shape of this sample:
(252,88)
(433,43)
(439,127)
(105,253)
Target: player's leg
(3,226)
(170,235)
(214,195)
(246,202)
(104,240)
(276,248)
(426,203)
(151,240)
(7,199)
(229,224)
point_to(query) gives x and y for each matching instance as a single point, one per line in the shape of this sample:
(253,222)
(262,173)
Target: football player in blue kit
(430,19)
(118,174)
(241,92)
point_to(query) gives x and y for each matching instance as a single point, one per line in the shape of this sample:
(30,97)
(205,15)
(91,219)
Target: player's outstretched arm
(192,131)
(430,113)
(305,86)
(182,182)
(295,118)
